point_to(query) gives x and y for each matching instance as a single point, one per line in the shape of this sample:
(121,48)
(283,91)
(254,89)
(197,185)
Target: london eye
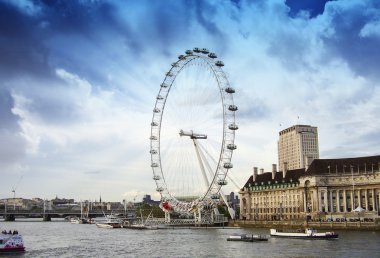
(193,133)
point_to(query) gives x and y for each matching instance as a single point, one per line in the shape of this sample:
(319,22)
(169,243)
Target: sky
(78,81)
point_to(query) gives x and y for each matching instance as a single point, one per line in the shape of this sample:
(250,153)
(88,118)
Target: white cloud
(96,130)
(26,6)
(371,29)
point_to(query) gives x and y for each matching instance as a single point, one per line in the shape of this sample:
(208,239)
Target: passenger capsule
(164,85)
(231,146)
(169,74)
(189,52)
(154,124)
(227,165)
(212,55)
(160,189)
(156,110)
(154,165)
(196,50)
(219,63)
(156,177)
(232,108)
(204,51)
(153,152)
(181,57)
(159,97)
(230,90)
(233,127)
(153,137)
(215,196)
(222,182)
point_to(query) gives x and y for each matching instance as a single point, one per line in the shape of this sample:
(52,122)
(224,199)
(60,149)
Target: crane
(14,192)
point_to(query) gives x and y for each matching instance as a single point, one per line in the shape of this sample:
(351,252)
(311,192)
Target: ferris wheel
(192,133)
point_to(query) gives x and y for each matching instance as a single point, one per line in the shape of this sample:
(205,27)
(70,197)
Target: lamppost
(125,208)
(14,198)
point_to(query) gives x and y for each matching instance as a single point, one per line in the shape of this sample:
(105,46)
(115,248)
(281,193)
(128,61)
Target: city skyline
(79,81)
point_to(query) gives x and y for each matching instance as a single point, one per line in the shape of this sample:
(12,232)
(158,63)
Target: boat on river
(11,243)
(248,238)
(109,221)
(76,220)
(142,224)
(139,226)
(308,233)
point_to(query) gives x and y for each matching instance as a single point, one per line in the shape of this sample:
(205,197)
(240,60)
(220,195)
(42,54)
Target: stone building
(329,189)
(297,146)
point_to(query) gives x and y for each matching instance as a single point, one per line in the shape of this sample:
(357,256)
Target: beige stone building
(329,189)
(297,147)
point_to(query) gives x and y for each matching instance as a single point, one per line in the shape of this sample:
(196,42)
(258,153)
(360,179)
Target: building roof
(341,166)
(291,175)
(320,167)
(294,127)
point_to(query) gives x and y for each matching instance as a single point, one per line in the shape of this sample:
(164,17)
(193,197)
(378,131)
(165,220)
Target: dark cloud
(12,143)
(205,14)
(252,110)
(347,21)
(74,35)
(21,49)
(56,105)
(86,38)
(96,172)
(341,26)
(8,119)
(313,7)
(292,49)
(12,147)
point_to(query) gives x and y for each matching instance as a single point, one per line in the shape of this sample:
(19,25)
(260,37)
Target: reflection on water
(63,239)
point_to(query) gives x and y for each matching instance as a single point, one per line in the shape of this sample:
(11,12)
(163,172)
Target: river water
(63,239)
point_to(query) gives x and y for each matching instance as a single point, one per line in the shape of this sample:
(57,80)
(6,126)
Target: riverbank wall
(359,225)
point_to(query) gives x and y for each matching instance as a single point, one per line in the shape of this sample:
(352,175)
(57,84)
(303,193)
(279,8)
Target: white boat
(247,238)
(109,221)
(11,243)
(75,220)
(309,233)
(139,226)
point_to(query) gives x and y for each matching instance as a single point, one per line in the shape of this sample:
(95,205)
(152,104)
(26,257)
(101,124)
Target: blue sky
(78,81)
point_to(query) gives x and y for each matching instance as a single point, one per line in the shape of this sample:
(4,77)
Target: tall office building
(297,147)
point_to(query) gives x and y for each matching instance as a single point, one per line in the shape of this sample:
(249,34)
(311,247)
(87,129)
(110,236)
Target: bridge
(47,215)
(129,214)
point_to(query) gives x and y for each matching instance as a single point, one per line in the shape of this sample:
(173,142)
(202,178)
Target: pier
(296,224)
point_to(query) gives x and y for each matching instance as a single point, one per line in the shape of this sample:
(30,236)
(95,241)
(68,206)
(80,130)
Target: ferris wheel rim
(229,127)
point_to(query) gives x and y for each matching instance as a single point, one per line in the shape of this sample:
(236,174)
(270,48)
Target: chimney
(261,171)
(254,174)
(285,169)
(274,170)
(308,161)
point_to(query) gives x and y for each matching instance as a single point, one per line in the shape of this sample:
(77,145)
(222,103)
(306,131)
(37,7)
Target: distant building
(333,189)
(233,200)
(61,201)
(21,203)
(148,200)
(297,147)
